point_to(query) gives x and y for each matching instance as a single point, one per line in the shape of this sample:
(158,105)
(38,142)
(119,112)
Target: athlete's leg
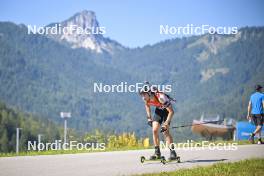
(168,137)
(169,142)
(258,129)
(155,131)
(166,133)
(258,121)
(260,132)
(261,125)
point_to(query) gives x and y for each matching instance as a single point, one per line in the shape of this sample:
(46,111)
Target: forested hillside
(30,125)
(209,74)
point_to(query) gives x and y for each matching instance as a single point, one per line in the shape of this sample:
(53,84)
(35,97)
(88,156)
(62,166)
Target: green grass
(250,167)
(242,142)
(56,152)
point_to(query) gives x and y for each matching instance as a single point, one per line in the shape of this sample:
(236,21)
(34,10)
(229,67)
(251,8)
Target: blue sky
(136,22)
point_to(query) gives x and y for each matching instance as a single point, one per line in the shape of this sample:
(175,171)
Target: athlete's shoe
(154,157)
(260,141)
(251,138)
(157,154)
(173,155)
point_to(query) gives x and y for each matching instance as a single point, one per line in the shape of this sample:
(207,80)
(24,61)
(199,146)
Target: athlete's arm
(171,112)
(263,104)
(263,101)
(249,110)
(148,110)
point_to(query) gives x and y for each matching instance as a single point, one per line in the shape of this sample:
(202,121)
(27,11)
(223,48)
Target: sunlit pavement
(119,163)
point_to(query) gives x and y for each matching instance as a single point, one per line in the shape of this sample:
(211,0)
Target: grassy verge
(56,152)
(254,167)
(242,142)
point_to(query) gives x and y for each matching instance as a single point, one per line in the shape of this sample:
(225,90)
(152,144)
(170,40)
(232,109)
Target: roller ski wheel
(178,159)
(142,159)
(160,159)
(163,160)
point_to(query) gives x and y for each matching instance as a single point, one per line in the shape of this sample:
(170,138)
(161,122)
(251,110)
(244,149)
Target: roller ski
(156,157)
(162,159)
(173,157)
(159,159)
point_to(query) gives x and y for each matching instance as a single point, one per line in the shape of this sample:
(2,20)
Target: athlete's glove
(163,129)
(150,122)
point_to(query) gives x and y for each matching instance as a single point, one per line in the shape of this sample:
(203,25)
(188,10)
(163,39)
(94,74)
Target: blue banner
(244,129)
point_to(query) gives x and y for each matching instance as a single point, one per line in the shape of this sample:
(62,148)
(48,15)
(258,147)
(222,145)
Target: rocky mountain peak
(83,31)
(84,19)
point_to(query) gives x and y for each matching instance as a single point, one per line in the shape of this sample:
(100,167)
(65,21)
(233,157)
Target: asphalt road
(118,163)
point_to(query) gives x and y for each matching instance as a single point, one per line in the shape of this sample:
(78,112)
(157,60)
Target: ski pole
(181,126)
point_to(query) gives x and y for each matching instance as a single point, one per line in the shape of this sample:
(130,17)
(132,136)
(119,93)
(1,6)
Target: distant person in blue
(256,112)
